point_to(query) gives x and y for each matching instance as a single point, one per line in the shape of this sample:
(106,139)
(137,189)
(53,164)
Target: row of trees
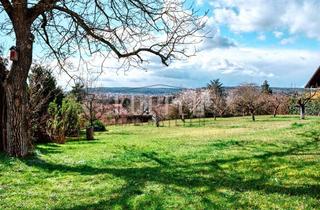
(247,99)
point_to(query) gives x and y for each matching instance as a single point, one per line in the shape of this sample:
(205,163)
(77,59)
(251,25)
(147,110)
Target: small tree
(247,98)
(93,110)
(265,88)
(302,99)
(71,111)
(78,92)
(64,120)
(276,101)
(160,113)
(56,125)
(187,102)
(217,98)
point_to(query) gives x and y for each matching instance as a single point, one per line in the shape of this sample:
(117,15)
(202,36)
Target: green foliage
(227,164)
(42,91)
(56,124)
(64,120)
(99,126)
(126,103)
(78,92)
(217,87)
(312,108)
(297,125)
(217,104)
(71,111)
(265,88)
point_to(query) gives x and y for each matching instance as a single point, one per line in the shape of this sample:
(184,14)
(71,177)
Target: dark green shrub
(71,111)
(99,126)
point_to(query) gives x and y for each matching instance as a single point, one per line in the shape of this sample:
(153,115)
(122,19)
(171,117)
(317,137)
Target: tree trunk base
(17,139)
(253,117)
(90,133)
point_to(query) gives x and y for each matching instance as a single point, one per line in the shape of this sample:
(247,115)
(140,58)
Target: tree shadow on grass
(48,149)
(191,176)
(120,133)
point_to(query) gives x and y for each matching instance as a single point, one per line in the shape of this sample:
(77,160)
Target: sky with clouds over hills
(251,41)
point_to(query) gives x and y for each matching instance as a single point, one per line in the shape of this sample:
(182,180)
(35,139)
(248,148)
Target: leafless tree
(124,29)
(302,99)
(187,102)
(158,114)
(93,109)
(276,101)
(247,98)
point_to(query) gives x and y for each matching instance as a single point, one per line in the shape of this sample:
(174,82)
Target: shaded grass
(228,164)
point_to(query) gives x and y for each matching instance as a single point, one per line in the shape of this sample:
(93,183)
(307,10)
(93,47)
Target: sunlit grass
(230,163)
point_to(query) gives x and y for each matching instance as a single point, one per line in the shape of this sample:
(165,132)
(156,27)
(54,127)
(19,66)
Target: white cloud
(296,16)
(232,65)
(221,57)
(278,34)
(262,37)
(199,2)
(288,41)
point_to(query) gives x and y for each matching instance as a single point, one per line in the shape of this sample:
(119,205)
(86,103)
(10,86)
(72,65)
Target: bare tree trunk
(302,111)
(275,111)
(18,138)
(90,133)
(15,124)
(253,116)
(2,108)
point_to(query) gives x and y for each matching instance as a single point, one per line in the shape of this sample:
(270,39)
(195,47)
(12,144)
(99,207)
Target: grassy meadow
(233,163)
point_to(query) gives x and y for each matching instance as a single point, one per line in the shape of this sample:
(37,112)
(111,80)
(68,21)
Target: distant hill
(163,90)
(137,91)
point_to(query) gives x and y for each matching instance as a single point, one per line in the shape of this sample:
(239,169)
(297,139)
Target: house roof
(314,82)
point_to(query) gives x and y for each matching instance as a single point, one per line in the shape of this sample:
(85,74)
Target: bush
(71,110)
(312,108)
(55,125)
(99,126)
(64,120)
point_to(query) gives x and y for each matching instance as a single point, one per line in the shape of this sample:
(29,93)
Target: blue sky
(250,41)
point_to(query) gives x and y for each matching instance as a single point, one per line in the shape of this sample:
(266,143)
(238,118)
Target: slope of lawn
(227,164)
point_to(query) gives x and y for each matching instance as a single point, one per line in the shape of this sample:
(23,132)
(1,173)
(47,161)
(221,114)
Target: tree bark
(275,111)
(253,116)
(302,112)
(2,108)
(90,133)
(15,124)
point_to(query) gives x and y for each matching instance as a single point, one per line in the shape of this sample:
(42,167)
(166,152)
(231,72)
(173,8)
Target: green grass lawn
(273,163)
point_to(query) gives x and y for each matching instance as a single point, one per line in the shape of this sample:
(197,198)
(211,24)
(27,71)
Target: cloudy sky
(252,41)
